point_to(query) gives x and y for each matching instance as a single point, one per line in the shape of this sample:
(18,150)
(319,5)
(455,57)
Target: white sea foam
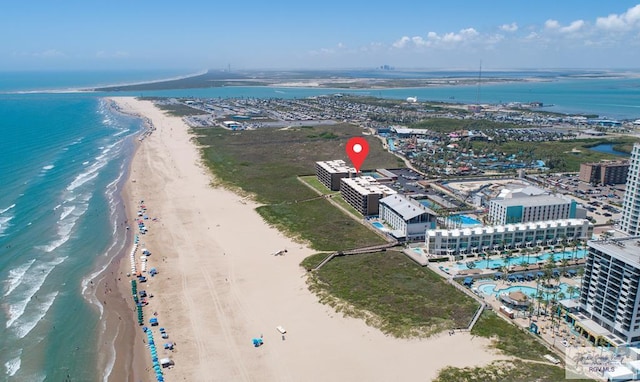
(66,223)
(16,275)
(32,281)
(112,356)
(8,208)
(119,133)
(48,167)
(85,163)
(66,211)
(86,176)
(5,218)
(26,324)
(13,365)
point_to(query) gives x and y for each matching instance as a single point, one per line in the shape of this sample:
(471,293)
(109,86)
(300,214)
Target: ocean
(63,160)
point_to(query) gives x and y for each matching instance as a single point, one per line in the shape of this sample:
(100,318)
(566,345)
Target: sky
(328,34)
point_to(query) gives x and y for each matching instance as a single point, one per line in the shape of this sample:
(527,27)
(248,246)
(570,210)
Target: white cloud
(622,22)
(573,27)
(402,42)
(509,27)
(551,24)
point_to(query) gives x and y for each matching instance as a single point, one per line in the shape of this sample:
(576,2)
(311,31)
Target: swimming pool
(490,290)
(427,203)
(464,221)
(378,225)
(529,259)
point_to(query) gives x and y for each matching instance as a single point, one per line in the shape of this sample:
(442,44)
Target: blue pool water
(427,203)
(377,225)
(517,260)
(490,290)
(465,221)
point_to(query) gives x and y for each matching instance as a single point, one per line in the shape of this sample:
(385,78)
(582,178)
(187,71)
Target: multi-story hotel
(469,241)
(531,209)
(364,193)
(630,220)
(408,217)
(329,173)
(606,172)
(610,298)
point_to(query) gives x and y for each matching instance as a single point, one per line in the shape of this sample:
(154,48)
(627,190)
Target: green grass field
(266,164)
(404,299)
(505,371)
(508,338)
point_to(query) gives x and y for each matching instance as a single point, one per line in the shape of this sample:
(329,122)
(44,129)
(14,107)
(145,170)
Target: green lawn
(508,338)
(266,164)
(404,299)
(505,371)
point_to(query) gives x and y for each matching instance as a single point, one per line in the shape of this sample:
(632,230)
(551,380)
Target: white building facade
(630,219)
(408,217)
(530,209)
(610,295)
(470,241)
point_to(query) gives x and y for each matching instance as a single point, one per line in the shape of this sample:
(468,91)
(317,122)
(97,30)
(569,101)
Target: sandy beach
(219,286)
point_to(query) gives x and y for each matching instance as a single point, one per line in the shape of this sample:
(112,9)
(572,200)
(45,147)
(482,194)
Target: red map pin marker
(357,150)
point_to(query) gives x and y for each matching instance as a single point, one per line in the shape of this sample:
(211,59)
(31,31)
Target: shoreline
(119,359)
(219,286)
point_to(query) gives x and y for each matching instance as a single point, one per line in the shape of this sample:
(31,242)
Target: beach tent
(153,321)
(166,362)
(540,275)
(468,281)
(497,275)
(512,278)
(572,272)
(257,342)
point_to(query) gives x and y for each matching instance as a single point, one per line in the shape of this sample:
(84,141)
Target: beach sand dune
(219,285)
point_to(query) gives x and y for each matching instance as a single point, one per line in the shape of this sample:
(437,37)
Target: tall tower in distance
(630,220)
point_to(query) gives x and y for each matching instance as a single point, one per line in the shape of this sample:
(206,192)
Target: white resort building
(630,220)
(408,217)
(610,295)
(364,193)
(460,243)
(531,209)
(329,173)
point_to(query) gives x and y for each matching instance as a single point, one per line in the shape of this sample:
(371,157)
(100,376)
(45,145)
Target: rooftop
(336,166)
(626,249)
(406,207)
(367,185)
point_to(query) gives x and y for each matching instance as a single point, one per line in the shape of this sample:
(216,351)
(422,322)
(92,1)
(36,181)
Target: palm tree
(564,263)
(571,290)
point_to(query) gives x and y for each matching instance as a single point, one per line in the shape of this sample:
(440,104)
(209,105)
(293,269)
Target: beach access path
(219,284)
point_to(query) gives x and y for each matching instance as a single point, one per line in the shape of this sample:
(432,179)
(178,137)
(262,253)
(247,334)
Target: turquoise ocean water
(63,157)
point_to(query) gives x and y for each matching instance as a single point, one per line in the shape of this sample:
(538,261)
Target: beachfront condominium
(604,173)
(531,209)
(630,220)
(363,193)
(460,243)
(610,294)
(329,173)
(409,218)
